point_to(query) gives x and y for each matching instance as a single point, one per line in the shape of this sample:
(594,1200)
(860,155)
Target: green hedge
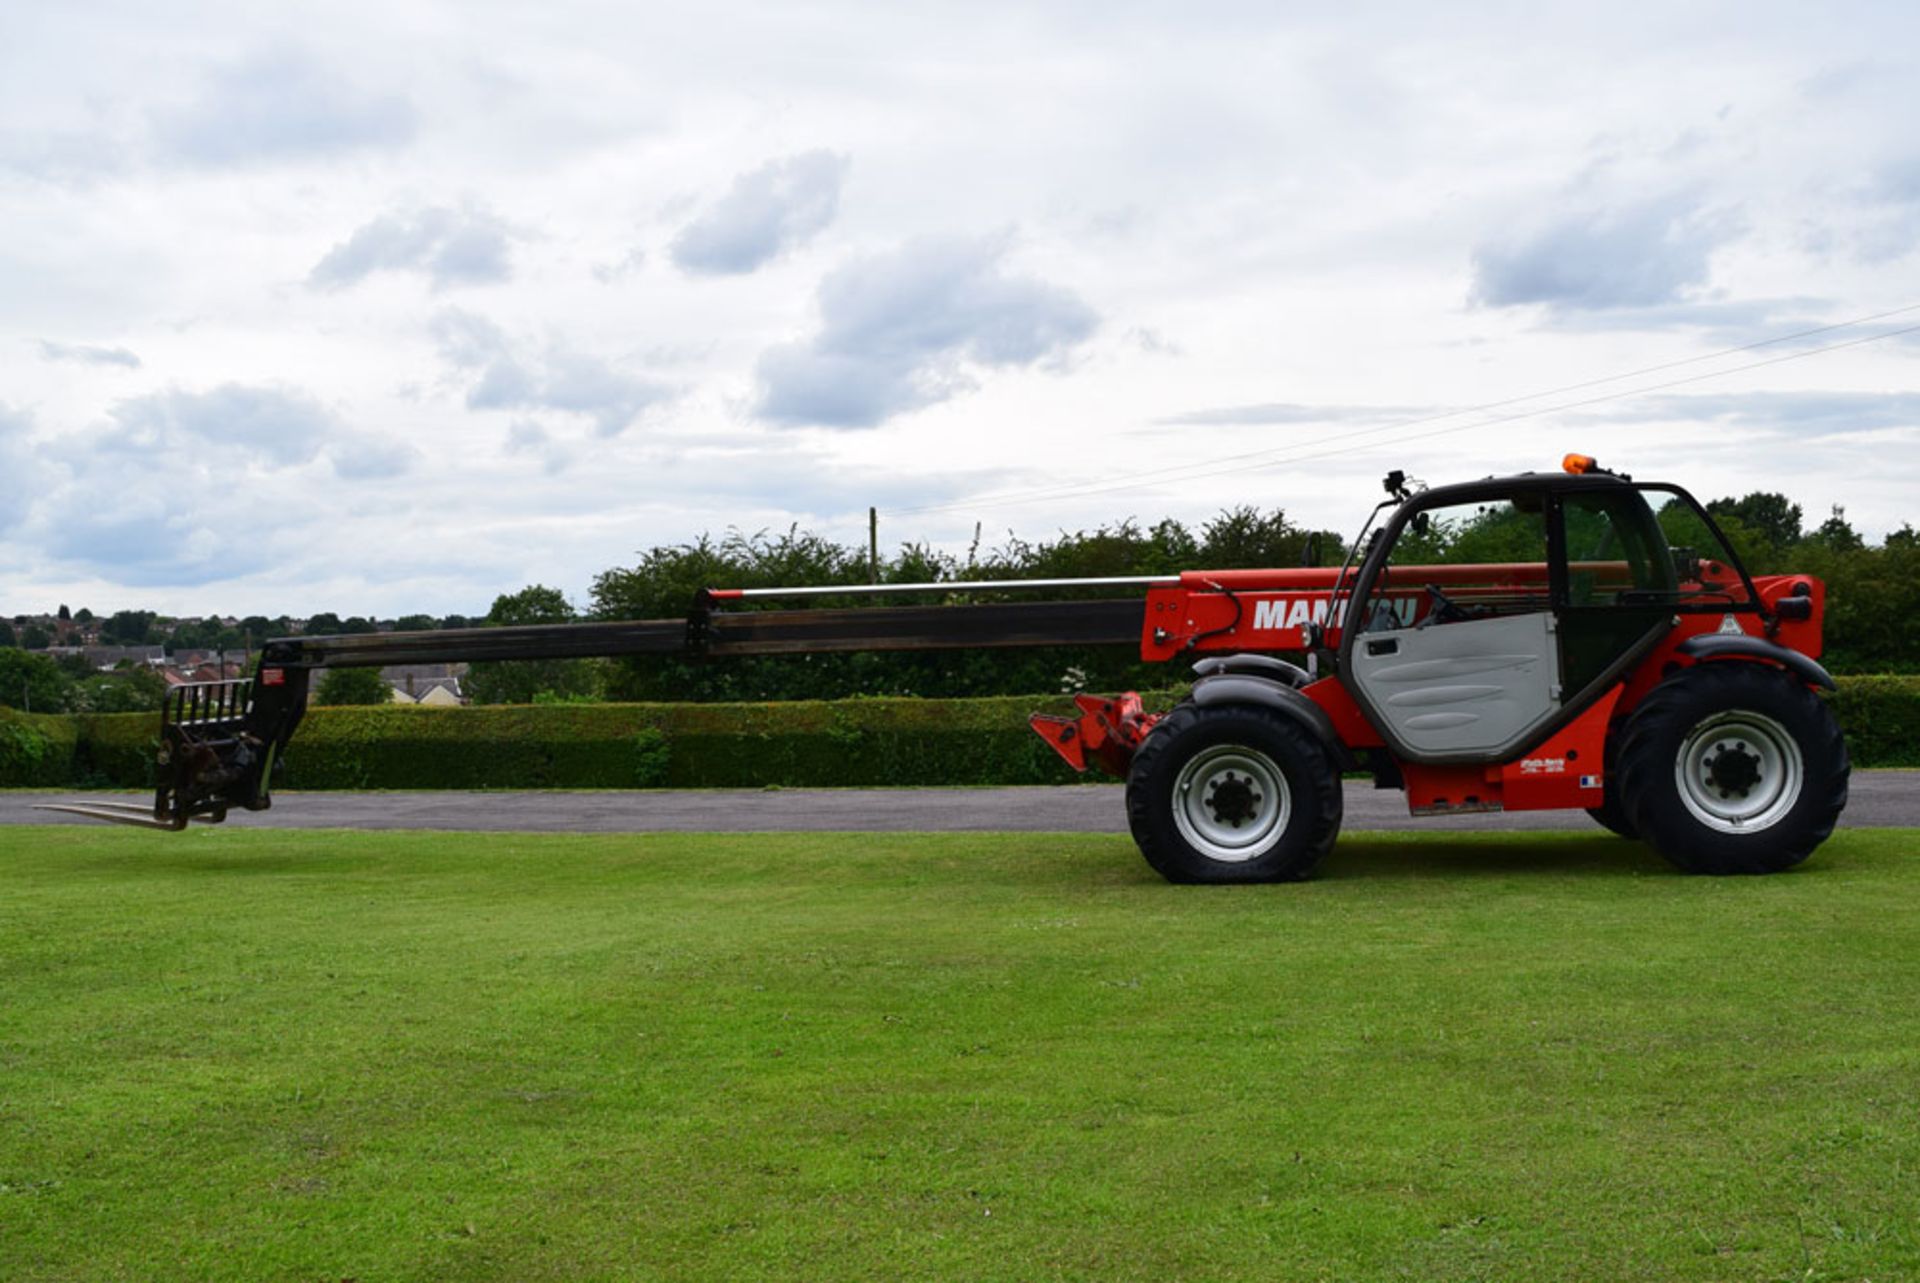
(37,749)
(801,743)
(879,741)
(843,742)
(1881,718)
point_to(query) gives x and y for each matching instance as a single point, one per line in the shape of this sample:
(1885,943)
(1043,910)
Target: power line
(1209,467)
(1511,418)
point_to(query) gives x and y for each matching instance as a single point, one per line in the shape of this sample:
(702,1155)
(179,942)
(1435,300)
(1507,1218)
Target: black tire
(1611,816)
(1259,781)
(1721,738)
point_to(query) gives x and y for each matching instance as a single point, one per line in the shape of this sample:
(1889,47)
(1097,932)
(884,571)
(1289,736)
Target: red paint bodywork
(1242,611)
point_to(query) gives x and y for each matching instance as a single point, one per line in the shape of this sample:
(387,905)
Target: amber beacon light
(1578,463)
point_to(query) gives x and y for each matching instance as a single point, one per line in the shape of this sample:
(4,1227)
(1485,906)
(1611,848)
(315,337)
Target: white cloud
(18,469)
(277,105)
(908,329)
(1795,415)
(60,156)
(275,427)
(183,487)
(529,439)
(88,354)
(367,456)
(772,209)
(500,375)
(449,247)
(1642,255)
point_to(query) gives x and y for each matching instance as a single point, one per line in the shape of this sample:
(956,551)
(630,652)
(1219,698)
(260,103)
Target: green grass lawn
(249,1055)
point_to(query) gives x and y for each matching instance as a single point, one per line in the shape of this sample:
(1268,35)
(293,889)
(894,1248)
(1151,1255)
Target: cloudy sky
(390,308)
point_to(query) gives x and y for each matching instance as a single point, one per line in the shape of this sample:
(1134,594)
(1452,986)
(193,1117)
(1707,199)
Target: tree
(414,623)
(65,615)
(83,616)
(1772,517)
(1838,534)
(456,621)
(7,636)
(353,686)
(192,635)
(1245,537)
(534,604)
(358,624)
(129,688)
(1683,528)
(324,624)
(33,682)
(522,681)
(34,637)
(128,628)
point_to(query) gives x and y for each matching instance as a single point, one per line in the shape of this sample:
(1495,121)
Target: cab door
(1457,656)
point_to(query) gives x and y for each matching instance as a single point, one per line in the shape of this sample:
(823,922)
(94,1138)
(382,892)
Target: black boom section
(219,741)
(736,632)
(473,645)
(1030,623)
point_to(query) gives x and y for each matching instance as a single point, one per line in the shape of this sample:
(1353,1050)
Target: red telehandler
(1582,663)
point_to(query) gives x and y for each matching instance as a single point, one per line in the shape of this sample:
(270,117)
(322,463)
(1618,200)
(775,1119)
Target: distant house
(105,658)
(436,685)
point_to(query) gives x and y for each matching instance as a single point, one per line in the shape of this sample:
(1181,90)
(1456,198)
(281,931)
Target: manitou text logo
(1298,612)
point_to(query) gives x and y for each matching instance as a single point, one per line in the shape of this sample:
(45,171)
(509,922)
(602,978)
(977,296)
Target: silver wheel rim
(1231,803)
(1739,772)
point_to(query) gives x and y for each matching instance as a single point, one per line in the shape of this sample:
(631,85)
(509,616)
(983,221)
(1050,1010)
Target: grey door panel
(1479,685)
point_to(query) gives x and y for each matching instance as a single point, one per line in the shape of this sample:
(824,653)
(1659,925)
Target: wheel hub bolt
(1232,799)
(1732,770)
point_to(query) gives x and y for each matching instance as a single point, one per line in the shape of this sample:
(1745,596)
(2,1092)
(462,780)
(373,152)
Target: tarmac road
(1879,799)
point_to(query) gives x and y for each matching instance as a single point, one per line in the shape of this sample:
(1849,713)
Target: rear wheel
(1232,793)
(1733,768)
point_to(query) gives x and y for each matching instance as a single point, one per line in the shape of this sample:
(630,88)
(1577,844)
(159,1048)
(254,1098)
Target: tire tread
(1296,859)
(1661,722)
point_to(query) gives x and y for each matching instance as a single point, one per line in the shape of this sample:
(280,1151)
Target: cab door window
(1620,581)
(1462,562)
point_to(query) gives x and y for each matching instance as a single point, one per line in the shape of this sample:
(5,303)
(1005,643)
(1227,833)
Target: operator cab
(1489,614)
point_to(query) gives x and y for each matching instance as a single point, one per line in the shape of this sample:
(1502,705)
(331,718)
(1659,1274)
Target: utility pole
(873,545)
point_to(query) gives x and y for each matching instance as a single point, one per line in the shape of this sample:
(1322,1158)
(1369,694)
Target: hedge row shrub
(615,746)
(36,749)
(1881,718)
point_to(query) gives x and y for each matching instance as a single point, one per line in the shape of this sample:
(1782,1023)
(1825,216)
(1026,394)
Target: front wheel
(1733,768)
(1233,793)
